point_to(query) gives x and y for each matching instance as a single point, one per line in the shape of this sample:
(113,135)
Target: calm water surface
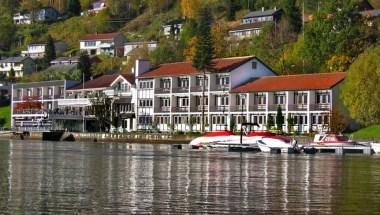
(87,178)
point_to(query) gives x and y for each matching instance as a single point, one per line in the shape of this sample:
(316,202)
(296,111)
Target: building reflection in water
(126,178)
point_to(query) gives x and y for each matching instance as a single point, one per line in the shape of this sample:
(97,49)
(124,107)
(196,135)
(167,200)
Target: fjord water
(96,178)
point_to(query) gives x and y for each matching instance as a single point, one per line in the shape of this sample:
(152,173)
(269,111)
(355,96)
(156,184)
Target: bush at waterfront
(5,114)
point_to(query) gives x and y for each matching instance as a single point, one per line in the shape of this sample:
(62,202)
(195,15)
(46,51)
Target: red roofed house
(119,87)
(108,43)
(308,99)
(170,95)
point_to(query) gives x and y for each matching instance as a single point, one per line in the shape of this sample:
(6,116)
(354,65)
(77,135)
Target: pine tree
(279,118)
(49,50)
(74,8)
(231,10)
(204,52)
(84,66)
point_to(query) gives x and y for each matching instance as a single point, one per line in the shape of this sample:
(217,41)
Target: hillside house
(111,44)
(20,65)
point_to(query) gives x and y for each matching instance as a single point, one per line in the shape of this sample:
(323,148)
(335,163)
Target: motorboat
(375,147)
(334,140)
(277,143)
(219,139)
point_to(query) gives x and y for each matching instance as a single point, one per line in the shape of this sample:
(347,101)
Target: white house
(170,95)
(37,50)
(65,61)
(20,65)
(111,44)
(252,23)
(119,87)
(22,18)
(96,7)
(173,28)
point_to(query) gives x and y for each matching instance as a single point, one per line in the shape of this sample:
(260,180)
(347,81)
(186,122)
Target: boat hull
(375,147)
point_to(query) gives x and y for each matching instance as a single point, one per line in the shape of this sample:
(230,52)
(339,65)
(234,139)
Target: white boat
(334,140)
(375,147)
(268,144)
(228,138)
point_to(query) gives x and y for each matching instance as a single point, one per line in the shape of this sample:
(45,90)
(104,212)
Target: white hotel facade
(238,90)
(243,89)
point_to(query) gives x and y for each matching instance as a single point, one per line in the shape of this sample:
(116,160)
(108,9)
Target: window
(322,97)
(146,84)
(89,43)
(183,82)
(145,120)
(223,80)
(29,92)
(260,99)
(279,98)
(254,64)
(39,91)
(221,100)
(240,99)
(61,91)
(198,100)
(300,98)
(182,101)
(199,81)
(164,102)
(50,91)
(165,83)
(145,103)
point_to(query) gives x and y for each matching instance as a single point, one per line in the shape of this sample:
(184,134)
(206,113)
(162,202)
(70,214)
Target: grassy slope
(369,133)
(6,112)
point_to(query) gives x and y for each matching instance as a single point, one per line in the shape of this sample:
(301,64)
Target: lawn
(6,113)
(369,133)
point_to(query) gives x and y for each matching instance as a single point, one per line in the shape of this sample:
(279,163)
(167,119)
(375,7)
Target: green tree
(84,66)
(231,10)
(49,50)
(202,60)
(361,92)
(293,14)
(11,75)
(270,122)
(101,108)
(279,118)
(8,29)
(74,8)
(290,121)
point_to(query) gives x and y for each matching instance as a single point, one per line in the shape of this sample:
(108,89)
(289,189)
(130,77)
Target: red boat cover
(261,133)
(218,133)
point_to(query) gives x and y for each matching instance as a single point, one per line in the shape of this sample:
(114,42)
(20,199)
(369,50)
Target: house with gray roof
(20,66)
(252,23)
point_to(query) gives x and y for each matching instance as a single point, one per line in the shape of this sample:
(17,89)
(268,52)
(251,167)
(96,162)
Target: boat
(226,139)
(333,140)
(375,147)
(277,143)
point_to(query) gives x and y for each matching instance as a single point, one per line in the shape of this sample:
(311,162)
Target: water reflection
(123,178)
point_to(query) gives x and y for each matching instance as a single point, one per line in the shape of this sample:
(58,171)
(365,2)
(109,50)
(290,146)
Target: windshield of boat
(342,138)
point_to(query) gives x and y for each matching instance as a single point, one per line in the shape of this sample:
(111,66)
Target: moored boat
(334,140)
(375,147)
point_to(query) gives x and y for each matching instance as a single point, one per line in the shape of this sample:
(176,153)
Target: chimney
(263,9)
(141,67)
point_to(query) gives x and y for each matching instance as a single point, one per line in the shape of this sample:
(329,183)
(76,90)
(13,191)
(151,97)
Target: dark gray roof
(260,13)
(14,60)
(68,83)
(62,67)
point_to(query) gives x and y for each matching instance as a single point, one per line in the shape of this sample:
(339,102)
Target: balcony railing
(274,107)
(75,115)
(199,108)
(261,107)
(238,108)
(198,89)
(162,90)
(220,108)
(320,107)
(181,90)
(221,88)
(296,107)
(28,112)
(79,102)
(162,109)
(180,109)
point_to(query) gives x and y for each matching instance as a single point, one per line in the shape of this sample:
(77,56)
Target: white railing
(79,102)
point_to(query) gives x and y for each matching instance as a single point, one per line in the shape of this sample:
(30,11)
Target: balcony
(221,108)
(199,108)
(275,106)
(161,90)
(181,90)
(72,115)
(180,109)
(198,89)
(260,107)
(238,108)
(297,107)
(162,109)
(79,102)
(221,88)
(118,92)
(50,97)
(28,112)
(320,107)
